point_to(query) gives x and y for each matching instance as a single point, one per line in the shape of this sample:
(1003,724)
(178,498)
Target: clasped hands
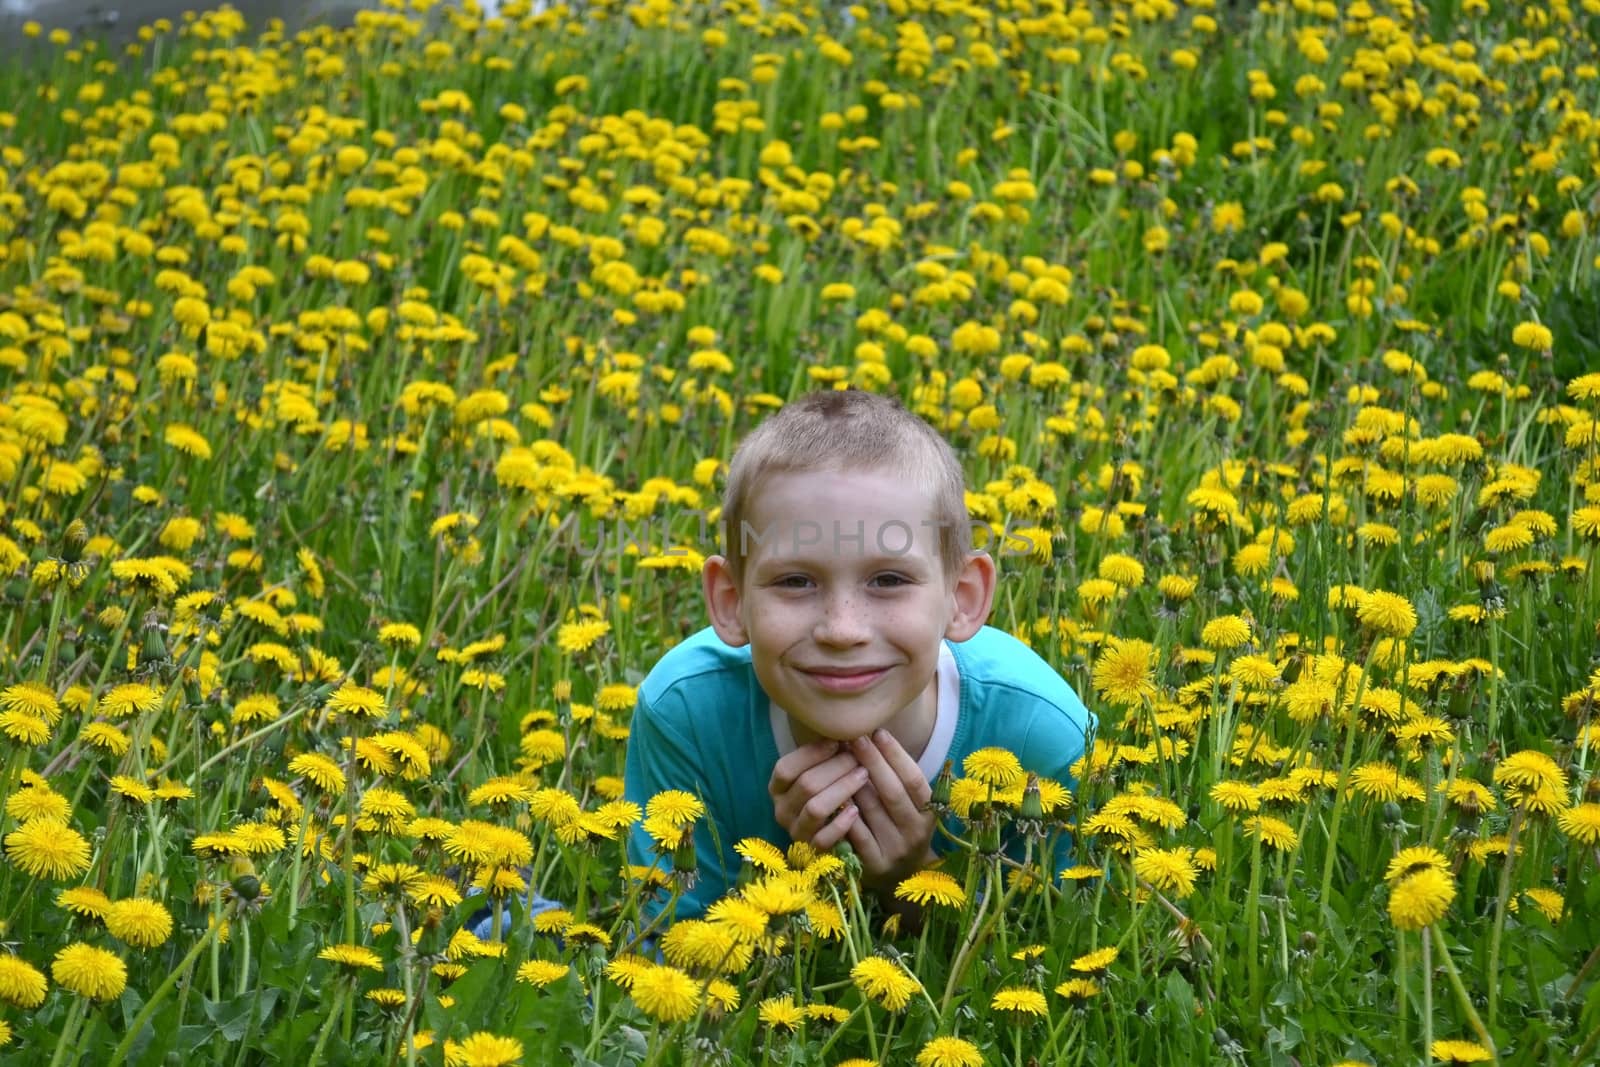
(868,791)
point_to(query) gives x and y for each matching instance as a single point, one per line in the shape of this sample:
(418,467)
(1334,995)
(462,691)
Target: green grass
(1278,955)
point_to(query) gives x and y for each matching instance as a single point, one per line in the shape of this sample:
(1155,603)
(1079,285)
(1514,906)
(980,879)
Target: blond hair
(849,430)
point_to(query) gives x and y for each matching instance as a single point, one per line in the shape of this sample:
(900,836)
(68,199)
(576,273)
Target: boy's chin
(842,732)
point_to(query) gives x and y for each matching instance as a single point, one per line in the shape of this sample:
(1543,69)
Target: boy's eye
(891,581)
(792,581)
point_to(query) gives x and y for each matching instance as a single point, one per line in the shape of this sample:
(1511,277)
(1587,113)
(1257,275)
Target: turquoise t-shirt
(702,724)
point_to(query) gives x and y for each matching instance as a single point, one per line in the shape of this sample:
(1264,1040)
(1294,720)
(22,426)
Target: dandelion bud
(1591,790)
(1308,941)
(987,839)
(1032,807)
(155,642)
(247,886)
(940,801)
(73,539)
(683,857)
(1392,815)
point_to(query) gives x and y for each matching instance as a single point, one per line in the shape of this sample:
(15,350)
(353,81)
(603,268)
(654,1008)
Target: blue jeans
(481,922)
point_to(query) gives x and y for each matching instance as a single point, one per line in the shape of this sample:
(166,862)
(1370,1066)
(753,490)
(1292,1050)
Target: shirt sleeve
(1058,739)
(661,758)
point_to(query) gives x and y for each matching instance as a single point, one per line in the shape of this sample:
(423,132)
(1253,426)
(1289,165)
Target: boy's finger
(790,767)
(905,768)
(891,790)
(819,810)
(836,830)
(825,774)
(873,813)
(866,846)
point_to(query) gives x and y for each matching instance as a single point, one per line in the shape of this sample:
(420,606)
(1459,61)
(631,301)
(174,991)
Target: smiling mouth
(846,681)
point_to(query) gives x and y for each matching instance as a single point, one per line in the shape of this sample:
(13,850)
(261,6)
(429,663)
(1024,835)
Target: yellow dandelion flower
(763,855)
(139,921)
(1021,1003)
(1079,989)
(352,957)
(666,994)
(483,1049)
(1387,613)
(932,887)
(1458,1052)
(320,771)
(1170,870)
(949,1052)
(1096,962)
(1581,823)
(21,983)
(1274,833)
(1421,899)
(886,982)
(84,901)
(780,1013)
(542,972)
(1124,673)
(46,848)
(1409,861)
(993,767)
(89,972)
(1225,632)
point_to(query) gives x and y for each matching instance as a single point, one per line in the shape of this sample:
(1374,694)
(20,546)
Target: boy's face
(844,602)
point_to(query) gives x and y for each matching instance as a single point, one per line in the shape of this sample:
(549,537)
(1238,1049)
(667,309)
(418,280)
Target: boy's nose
(842,622)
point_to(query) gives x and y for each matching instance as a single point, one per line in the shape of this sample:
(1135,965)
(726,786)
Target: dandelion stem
(299,856)
(838,1031)
(248,739)
(1575,883)
(1462,998)
(1504,894)
(336,1009)
(1582,972)
(1252,923)
(975,935)
(69,1032)
(150,1006)
(244,951)
(1494,702)
(1402,981)
(1352,719)
(52,642)
(1427,995)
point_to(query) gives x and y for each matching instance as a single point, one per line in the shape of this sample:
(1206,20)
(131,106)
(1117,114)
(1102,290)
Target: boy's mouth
(846,680)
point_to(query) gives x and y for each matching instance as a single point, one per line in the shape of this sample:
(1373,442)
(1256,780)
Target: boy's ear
(722,601)
(973,595)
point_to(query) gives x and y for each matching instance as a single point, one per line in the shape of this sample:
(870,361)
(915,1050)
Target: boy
(847,657)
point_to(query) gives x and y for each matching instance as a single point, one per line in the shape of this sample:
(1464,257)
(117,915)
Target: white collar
(944,722)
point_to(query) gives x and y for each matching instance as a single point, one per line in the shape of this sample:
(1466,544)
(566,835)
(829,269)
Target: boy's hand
(894,834)
(808,788)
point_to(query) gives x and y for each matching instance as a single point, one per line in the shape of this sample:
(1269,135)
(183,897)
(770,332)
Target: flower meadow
(365,396)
